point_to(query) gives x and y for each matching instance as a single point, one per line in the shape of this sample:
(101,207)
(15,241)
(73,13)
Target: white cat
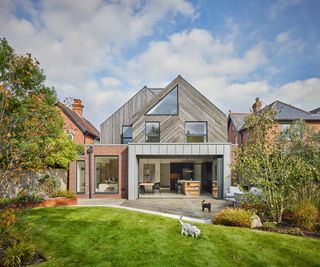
(189,229)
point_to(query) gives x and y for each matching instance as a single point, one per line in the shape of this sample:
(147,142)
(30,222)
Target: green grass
(87,236)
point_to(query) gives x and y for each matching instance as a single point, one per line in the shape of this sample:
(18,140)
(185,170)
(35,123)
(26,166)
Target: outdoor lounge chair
(232,190)
(156,186)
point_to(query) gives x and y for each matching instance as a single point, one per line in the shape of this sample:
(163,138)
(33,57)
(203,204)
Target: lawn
(99,236)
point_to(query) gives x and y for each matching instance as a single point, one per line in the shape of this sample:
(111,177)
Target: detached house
(171,138)
(285,114)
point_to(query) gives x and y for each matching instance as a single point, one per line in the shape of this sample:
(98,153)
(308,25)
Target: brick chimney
(77,106)
(257,105)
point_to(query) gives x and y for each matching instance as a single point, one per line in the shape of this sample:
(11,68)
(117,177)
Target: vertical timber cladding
(192,105)
(111,128)
(223,150)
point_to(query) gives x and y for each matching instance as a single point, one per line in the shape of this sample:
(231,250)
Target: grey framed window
(196,131)
(80,175)
(168,105)
(152,131)
(126,134)
(106,170)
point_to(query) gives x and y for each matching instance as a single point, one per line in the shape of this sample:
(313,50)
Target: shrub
(66,193)
(18,254)
(7,218)
(305,215)
(269,225)
(15,250)
(256,203)
(20,200)
(49,185)
(233,217)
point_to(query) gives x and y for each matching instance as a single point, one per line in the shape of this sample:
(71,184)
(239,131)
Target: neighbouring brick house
(79,129)
(285,114)
(173,137)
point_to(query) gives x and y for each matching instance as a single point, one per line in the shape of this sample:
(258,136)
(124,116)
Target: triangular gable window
(168,105)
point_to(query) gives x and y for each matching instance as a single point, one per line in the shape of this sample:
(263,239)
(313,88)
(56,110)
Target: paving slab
(187,207)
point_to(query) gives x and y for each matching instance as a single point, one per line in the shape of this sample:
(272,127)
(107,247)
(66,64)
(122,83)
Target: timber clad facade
(192,105)
(111,129)
(171,138)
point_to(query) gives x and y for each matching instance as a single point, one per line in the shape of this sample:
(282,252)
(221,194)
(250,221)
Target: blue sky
(232,51)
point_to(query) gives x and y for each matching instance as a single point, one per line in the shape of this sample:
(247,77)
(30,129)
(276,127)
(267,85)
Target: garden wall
(29,181)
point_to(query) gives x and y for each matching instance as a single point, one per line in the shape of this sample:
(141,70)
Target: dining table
(147,186)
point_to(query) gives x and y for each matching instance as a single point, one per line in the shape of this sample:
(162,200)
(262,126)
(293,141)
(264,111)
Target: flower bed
(58,201)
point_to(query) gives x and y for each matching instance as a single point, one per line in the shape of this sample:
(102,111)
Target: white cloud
(110,82)
(193,53)
(76,40)
(81,48)
(282,37)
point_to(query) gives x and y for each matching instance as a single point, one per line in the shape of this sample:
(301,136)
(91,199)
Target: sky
(232,51)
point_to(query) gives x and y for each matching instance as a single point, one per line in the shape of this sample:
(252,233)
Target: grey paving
(188,207)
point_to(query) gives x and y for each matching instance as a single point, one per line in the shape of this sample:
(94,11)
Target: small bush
(49,185)
(305,215)
(19,200)
(66,193)
(256,203)
(18,254)
(269,225)
(233,217)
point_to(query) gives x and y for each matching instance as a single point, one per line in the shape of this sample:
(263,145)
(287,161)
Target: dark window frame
(185,130)
(126,138)
(177,114)
(145,130)
(95,175)
(80,193)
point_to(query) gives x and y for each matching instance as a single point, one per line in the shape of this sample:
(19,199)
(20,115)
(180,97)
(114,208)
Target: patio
(182,206)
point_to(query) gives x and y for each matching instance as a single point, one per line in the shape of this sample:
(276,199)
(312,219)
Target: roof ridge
(293,107)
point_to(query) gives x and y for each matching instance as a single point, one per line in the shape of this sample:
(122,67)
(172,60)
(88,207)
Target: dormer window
(168,105)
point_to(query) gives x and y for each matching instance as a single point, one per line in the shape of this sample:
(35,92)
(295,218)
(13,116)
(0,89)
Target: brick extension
(102,150)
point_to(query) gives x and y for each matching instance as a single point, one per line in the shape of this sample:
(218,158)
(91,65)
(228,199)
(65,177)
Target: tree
(267,161)
(31,128)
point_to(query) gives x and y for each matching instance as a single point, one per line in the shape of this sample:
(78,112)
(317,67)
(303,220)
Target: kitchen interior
(180,176)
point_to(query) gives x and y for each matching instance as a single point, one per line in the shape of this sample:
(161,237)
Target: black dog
(206,206)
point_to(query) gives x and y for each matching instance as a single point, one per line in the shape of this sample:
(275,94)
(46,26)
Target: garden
(100,236)
(283,168)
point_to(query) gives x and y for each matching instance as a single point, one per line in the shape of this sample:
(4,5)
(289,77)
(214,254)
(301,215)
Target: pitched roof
(238,119)
(163,92)
(286,112)
(83,124)
(155,91)
(315,111)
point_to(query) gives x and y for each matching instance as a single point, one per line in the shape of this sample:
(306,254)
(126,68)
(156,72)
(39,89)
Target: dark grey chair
(142,189)
(156,186)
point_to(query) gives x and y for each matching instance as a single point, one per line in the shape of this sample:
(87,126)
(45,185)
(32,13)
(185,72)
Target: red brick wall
(70,127)
(232,134)
(102,150)
(315,125)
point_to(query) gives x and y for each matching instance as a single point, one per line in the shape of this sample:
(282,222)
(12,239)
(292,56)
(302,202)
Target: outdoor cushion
(232,190)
